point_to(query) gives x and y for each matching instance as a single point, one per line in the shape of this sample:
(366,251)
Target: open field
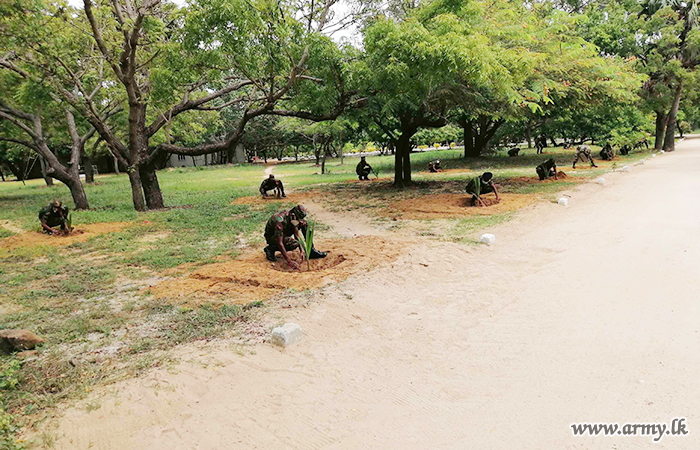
(111,300)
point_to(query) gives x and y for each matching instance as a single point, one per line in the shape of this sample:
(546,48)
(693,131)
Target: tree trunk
(89,173)
(528,136)
(136,190)
(151,187)
(402,160)
(661,120)
(470,149)
(670,140)
(47,178)
(323,160)
(116,164)
(77,191)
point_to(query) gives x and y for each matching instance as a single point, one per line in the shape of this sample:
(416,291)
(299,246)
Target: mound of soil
(252,277)
(441,206)
(80,233)
(291,198)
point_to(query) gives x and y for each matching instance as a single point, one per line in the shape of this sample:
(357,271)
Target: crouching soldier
(363,169)
(513,152)
(434,166)
(583,153)
(547,169)
(625,150)
(53,216)
(282,235)
(270,184)
(607,152)
(479,186)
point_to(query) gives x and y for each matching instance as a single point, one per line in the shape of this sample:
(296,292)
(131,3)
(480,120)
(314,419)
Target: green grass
(86,299)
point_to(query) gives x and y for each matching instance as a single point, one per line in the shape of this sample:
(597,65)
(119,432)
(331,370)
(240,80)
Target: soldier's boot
(270,254)
(315,254)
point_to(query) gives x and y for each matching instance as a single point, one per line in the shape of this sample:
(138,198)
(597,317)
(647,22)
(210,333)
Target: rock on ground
(287,334)
(18,340)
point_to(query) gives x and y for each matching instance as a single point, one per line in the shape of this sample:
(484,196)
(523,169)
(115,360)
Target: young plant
(69,223)
(307,243)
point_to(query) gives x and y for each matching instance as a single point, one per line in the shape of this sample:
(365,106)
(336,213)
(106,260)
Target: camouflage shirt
(280,225)
(51,217)
(268,184)
(484,187)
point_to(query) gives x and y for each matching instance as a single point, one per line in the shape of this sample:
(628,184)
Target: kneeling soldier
(434,166)
(481,185)
(54,215)
(270,184)
(583,152)
(547,169)
(282,235)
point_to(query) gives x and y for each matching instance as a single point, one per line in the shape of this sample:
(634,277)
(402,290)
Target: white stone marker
(286,335)
(488,239)
(563,201)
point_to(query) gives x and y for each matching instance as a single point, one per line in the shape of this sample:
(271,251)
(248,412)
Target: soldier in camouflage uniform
(363,169)
(434,166)
(547,169)
(54,215)
(282,234)
(270,184)
(481,185)
(583,153)
(607,153)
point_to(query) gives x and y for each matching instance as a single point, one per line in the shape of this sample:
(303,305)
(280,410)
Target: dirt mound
(251,277)
(291,198)
(441,206)
(81,233)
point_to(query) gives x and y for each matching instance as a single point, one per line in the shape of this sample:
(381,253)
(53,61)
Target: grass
(86,299)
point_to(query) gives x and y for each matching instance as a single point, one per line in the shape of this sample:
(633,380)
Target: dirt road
(589,313)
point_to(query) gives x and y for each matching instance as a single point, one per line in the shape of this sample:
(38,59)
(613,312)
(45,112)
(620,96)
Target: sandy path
(586,313)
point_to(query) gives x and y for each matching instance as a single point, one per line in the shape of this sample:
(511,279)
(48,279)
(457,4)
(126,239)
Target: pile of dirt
(81,233)
(299,197)
(251,277)
(441,206)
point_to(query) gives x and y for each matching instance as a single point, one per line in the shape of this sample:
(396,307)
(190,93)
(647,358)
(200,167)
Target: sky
(350,34)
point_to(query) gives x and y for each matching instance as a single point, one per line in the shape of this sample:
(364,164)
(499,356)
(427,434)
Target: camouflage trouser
(289,244)
(583,156)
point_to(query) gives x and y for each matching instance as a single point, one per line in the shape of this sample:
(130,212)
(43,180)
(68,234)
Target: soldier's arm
(46,227)
(283,250)
(495,190)
(555,172)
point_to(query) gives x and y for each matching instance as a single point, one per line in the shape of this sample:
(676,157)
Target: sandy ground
(585,313)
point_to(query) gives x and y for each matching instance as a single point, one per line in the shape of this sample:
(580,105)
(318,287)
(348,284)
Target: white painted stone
(661,152)
(640,162)
(286,335)
(653,155)
(488,239)
(600,181)
(625,168)
(563,201)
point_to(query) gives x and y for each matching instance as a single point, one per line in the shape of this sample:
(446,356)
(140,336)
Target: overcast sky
(350,34)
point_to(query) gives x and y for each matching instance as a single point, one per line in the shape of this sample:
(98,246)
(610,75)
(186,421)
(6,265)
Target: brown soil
(251,277)
(440,206)
(291,198)
(80,234)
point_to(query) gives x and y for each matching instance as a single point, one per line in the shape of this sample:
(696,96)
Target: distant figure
(547,169)
(513,152)
(269,184)
(479,186)
(625,150)
(583,153)
(363,169)
(282,234)
(607,153)
(54,215)
(434,166)
(642,143)
(540,143)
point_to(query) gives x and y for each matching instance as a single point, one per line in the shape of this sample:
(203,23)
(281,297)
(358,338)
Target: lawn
(88,299)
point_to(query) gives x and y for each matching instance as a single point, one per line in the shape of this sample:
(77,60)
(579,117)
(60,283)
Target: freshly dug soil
(252,277)
(80,233)
(440,206)
(291,198)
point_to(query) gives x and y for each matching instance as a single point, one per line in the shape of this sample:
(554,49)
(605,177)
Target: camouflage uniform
(269,184)
(546,169)
(54,216)
(363,169)
(607,152)
(486,187)
(434,166)
(583,153)
(513,152)
(280,224)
